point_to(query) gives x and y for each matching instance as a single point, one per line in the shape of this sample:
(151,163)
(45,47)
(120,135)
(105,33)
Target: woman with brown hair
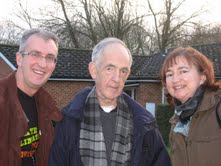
(195,135)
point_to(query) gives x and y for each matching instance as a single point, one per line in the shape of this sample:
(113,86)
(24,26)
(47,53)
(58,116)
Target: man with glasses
(26,109)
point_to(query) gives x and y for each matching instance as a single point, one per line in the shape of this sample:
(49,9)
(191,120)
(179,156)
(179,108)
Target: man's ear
(19,59)
(128,73)
(92,69)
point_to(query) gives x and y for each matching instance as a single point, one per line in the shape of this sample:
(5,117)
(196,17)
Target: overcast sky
(214,6)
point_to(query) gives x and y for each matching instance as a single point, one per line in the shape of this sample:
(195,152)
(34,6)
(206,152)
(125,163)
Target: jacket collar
(140,115)
(44,101)
(21,120)
(143,120)
(209,100)
(47,106)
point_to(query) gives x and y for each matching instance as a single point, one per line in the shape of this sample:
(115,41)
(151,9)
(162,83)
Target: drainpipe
(163,96)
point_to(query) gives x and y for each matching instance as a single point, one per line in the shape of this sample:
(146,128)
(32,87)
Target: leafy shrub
(163,115)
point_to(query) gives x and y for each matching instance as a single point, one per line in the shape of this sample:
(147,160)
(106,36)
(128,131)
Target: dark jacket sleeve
(58,152)
(154,151)
(64,150)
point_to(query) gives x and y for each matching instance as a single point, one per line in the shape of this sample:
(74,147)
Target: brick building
(71,73)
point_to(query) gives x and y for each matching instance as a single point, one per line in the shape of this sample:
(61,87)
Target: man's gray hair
(99,48)
(44,34)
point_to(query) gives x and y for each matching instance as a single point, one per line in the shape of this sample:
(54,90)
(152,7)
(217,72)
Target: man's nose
(42,62)
(116,76)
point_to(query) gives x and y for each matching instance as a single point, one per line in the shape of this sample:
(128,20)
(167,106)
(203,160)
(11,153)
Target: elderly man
(26,109)
(102,126)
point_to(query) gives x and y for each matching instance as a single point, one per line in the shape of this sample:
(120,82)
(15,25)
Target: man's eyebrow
(125,68)
(110,65)
(51,54)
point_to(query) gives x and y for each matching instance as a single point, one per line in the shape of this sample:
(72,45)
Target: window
(151,107)
(131,92)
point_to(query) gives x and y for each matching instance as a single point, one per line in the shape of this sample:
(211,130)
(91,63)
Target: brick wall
(63,91)
(149,92)
(4,68)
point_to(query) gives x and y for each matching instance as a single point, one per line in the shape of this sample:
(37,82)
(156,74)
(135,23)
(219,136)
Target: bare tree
(115,19)
(24,14)
(203,34)
(93,21)
(69,26)
(82,23)
(88,21)
(9,33)
(168,23)
(60,20)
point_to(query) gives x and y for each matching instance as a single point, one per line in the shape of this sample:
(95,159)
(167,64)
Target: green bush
(163,115)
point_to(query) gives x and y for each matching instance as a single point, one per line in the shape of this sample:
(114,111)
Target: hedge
(163,115)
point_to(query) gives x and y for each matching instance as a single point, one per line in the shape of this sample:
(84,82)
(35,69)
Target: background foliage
(163,115)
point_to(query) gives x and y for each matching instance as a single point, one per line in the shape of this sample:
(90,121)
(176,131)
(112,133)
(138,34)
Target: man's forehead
(115,50)
(114,47)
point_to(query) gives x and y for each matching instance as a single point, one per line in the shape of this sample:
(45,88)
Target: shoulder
(212,103)
(8,87)
(140,114)
(218,98)
(210,100)
(68,127)
(66,132)
(218,107)
(73,109)
(47,106)
(7,81)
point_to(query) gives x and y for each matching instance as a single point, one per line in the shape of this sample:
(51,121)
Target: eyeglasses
(38,56)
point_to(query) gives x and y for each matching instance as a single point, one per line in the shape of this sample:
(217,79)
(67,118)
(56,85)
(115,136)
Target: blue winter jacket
(148,148)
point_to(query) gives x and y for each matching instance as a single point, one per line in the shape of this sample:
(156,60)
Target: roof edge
(7,61)
(91,80)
